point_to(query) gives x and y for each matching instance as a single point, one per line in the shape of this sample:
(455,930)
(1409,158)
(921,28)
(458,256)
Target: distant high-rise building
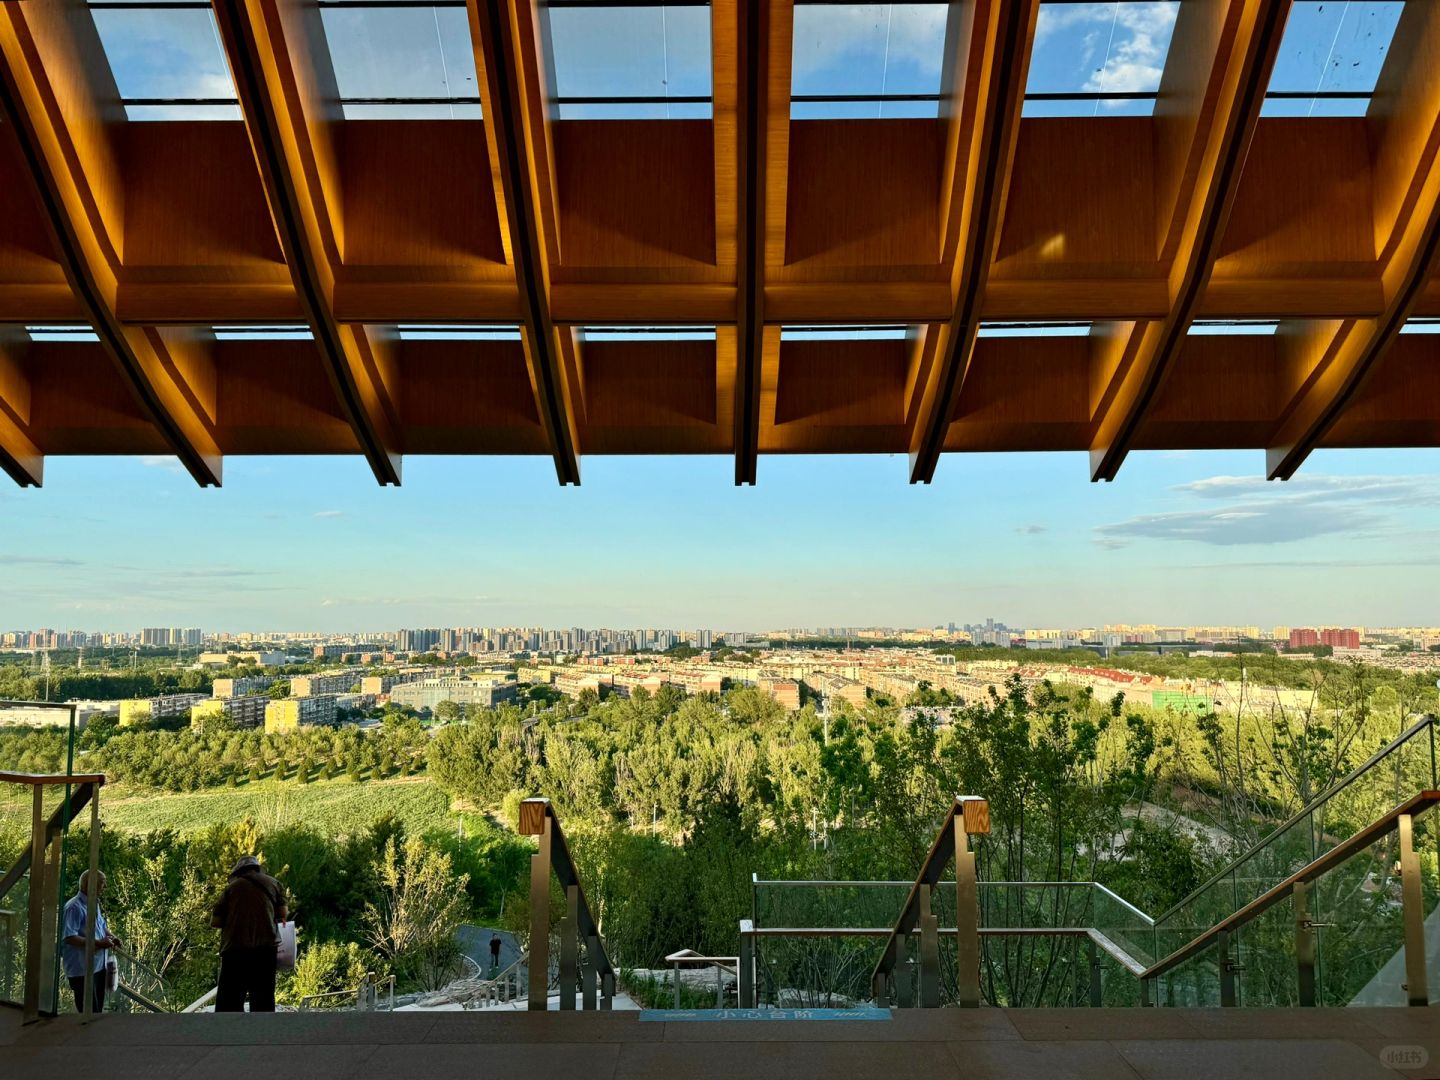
(1301,637)
(703,639)
(155,635)
(1340,638)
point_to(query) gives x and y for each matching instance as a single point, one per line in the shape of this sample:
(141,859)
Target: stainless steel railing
(537,818)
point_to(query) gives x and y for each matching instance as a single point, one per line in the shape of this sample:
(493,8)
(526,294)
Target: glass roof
(647,333)
(403,62)
(1033,329)
(867,60)
(1330,57)
(1231,327)
(62,332)
(612,62)
(1099,59)
(167,61)
(267,332)
(457,332)
(844,333)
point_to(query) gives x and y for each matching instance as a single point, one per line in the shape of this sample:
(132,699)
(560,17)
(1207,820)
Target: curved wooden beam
(39,121)
(1247,35)
(984,123)
(254,36)
(1334,360)
(512,91)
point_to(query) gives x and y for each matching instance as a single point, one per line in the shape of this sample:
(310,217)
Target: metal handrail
(1309,808)
(203,1000)
(538,819)
(749,933)
(973,813)
(1093,885)
(1316,868)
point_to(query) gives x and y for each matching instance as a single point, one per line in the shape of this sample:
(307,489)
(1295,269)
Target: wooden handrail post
(1413,912)
(539,915)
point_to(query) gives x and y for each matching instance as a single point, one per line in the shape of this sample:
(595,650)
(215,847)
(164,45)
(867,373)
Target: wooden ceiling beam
(989,44)
(1222,108)
(508,58)
(1332,361)
(19,456)
(39,115)
(760,84)
(254,34)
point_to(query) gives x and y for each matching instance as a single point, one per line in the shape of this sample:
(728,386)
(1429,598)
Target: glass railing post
(1304,943)
(967,920)
(1227,970)
(1413,912)
(539,910)
(929,953)
(904,988)
(35,943)
(745,977)
(570,949)
(1097,997)
(587,976)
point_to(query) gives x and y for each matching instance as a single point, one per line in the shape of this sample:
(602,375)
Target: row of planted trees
(675,802)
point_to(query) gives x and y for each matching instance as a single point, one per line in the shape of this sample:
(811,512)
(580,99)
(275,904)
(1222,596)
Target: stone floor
(1014,1044)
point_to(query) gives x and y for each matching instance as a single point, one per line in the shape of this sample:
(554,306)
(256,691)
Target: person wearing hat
(247,915)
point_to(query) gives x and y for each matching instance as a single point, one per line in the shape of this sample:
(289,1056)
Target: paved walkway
(987,1044)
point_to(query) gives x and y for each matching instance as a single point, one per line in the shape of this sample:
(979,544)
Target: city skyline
(1181,539)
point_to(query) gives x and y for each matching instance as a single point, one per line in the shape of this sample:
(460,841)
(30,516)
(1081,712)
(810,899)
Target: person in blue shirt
(73,953)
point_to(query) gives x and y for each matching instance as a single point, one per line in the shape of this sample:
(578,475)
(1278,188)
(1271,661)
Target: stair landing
(1003,1044)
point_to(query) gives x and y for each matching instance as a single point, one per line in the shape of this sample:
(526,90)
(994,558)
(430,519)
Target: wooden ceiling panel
(645,397)
(637,195)
(863,201)
(1071,212)
(1400,404)
(81,404)
(411,198)
(467,397)
(1024,394)
(277,393)
(1303,207)
(1225,391)
(194,204)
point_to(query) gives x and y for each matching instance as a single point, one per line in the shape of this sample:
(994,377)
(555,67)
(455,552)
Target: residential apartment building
(239,687)
(429,693)
(288,714)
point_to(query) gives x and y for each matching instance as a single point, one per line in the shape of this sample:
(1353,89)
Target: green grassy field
(335,807)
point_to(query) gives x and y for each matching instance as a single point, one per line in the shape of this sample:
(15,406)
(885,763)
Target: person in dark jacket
(247,916)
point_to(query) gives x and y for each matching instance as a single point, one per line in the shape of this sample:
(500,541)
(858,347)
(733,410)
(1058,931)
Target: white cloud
(1256,511)
(329,513)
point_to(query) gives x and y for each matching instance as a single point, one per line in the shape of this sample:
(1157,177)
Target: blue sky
(315,543)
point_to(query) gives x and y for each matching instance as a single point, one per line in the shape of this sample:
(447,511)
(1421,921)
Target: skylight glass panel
(1330,57)
(1421,326)
(456,332)
(62,332)
(1033,329)
(647,333)
(867,60)
(1101,59)
(844,333)
(167,62)
(1223,327)
(406,62)
(644,62)
(253,332)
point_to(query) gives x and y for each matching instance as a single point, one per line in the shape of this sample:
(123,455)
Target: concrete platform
(986,1044)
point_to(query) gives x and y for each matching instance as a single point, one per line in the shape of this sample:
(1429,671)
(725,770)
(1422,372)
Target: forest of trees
(673,802)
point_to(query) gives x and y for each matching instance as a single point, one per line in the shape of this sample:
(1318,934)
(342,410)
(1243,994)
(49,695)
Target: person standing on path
(73,953)
(494,955)
(247,917)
